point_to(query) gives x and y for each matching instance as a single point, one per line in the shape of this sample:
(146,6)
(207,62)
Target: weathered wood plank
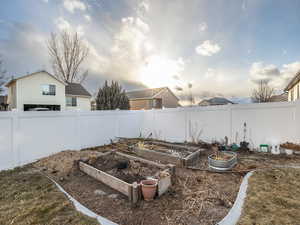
(107,179)
(159,165)
(174,146)
(191,158)
(135,192)
(158,156)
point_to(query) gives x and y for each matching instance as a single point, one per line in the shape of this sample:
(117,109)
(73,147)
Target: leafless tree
(67,53)
(263,93)
(2,75)
(189,95)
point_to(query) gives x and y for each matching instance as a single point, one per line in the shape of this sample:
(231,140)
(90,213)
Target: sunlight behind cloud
(160,71)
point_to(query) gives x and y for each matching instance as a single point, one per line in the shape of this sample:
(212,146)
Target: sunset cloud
(187,40)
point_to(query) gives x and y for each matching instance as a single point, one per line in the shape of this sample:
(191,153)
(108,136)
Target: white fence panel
(43,133)
(129,123)
(28,136)
(97,128)
(170,124)
(208,123)
(268,123)
(6,141)
(147,123)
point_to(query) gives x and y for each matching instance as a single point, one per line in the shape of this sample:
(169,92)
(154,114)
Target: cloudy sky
(222,47)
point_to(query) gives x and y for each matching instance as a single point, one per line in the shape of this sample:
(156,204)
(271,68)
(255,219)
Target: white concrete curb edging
(79,207)
(235,212)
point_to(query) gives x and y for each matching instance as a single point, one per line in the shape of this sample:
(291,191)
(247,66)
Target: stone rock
(114,196)
(99,192)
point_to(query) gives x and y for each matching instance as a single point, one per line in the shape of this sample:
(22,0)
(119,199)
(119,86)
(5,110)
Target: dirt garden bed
(197,196)
(180,155)
(124,168)
(124,173)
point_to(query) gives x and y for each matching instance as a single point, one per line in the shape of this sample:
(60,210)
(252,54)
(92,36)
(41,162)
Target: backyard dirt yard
(27,197)
(198,196)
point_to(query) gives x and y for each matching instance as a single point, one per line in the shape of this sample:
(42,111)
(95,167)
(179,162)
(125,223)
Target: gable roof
(77,89)
(279,98)
(294,81)
(217,101)
(145,93)
(27,75)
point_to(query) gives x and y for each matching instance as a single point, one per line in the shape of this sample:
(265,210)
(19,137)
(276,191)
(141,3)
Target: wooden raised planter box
(165,156)
(131,190)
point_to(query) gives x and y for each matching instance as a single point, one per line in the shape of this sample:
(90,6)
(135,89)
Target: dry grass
(273,198)
(27,197)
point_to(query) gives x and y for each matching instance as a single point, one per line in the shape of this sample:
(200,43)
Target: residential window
(71,101)
(157,103)
(48,89)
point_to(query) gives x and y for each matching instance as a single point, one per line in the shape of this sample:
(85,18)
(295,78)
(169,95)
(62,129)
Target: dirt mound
(125,169)
(63,163)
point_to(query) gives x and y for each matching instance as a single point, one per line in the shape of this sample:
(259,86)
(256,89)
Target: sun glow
(160,71)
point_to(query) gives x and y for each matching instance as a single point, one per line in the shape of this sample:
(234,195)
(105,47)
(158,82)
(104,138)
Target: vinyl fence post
(297,121)
(230,124)
(15,139)
(78,132)
(117,132)
(186,124)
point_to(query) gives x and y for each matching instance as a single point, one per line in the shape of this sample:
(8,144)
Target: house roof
(146,93)
(71,88)
(76,89)
(294,81)
(27,75)
(279,98)
(217,101)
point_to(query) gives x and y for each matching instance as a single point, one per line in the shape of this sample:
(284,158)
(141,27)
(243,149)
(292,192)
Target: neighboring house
(279,98)
(3,103)
(215,101)
(293,88)
(43,90)
(77,97)
(156,98)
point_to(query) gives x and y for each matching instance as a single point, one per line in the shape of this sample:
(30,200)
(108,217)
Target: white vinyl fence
(28,136)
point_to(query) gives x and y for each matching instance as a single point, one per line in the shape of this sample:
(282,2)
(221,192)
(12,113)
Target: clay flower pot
(149,189)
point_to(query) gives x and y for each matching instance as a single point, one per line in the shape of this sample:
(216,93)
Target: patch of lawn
(27,197)
(273,198)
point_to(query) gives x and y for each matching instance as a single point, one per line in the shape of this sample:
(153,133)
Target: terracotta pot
(149,189)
